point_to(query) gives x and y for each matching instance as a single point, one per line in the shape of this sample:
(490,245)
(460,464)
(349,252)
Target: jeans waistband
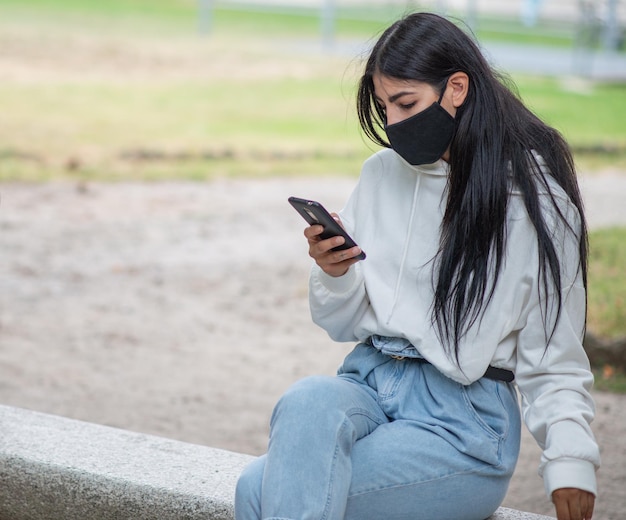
(497,374)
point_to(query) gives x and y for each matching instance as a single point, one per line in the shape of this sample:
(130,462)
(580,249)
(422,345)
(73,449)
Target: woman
(475,274)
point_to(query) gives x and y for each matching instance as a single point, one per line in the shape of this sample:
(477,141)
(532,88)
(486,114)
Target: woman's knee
(248,491)
(326,403)
(307,395)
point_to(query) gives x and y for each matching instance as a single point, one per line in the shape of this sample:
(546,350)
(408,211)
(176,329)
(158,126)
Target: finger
(321,248)
(347,254)
(337,219)
(342,259)
(312,232)
(562,509)
(337,263)
(589,505)
(561,501)
(575,510)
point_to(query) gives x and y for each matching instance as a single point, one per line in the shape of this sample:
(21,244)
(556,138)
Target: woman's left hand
(573,504)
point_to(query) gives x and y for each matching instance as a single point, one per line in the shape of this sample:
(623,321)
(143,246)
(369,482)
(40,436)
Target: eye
(407,106)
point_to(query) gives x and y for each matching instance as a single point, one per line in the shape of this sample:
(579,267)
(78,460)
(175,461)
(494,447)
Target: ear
(459,81)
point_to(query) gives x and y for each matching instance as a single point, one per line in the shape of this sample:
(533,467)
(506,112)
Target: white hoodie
(395,214)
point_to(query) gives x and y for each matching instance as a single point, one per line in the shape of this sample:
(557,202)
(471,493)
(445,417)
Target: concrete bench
(54,468)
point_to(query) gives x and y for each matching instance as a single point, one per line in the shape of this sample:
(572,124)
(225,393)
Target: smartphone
(314,213)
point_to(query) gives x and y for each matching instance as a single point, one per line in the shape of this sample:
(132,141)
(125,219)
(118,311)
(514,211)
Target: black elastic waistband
(497,374)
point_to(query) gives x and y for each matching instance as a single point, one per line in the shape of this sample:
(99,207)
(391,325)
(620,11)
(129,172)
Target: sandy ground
(180,309)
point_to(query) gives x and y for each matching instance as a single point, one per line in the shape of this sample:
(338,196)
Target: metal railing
(597,22)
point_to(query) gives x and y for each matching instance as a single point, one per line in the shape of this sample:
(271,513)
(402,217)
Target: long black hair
(495,147)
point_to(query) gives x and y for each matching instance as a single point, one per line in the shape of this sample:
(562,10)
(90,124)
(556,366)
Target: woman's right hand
(333,263)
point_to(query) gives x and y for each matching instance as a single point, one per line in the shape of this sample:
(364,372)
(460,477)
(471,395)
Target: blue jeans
(385,439)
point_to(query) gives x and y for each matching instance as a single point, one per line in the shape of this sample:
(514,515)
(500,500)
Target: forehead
(386,86)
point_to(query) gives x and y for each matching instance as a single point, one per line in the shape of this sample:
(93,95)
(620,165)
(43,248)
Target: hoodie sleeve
(338,303)
(555,381)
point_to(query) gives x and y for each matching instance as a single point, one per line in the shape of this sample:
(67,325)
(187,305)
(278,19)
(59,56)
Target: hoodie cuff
(338,284)
(569,473)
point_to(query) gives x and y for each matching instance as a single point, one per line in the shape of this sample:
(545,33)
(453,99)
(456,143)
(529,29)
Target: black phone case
(314,213)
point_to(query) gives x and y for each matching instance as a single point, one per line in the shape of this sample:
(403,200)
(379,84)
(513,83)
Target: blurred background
(152,275)
(195,89)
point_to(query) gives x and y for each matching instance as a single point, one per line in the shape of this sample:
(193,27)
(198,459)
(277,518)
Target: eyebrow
(397,96)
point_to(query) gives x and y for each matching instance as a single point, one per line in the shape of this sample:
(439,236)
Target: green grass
(614,382)
(280,126)
(607,283)
(289,110)
(546,32)
(274,118)
(169,11)
(275,114)
(584,112)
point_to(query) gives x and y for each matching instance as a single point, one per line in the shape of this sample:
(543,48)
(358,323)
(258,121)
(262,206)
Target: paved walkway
(552,61)
(598,65)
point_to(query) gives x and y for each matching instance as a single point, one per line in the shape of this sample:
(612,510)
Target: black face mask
(424,137)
